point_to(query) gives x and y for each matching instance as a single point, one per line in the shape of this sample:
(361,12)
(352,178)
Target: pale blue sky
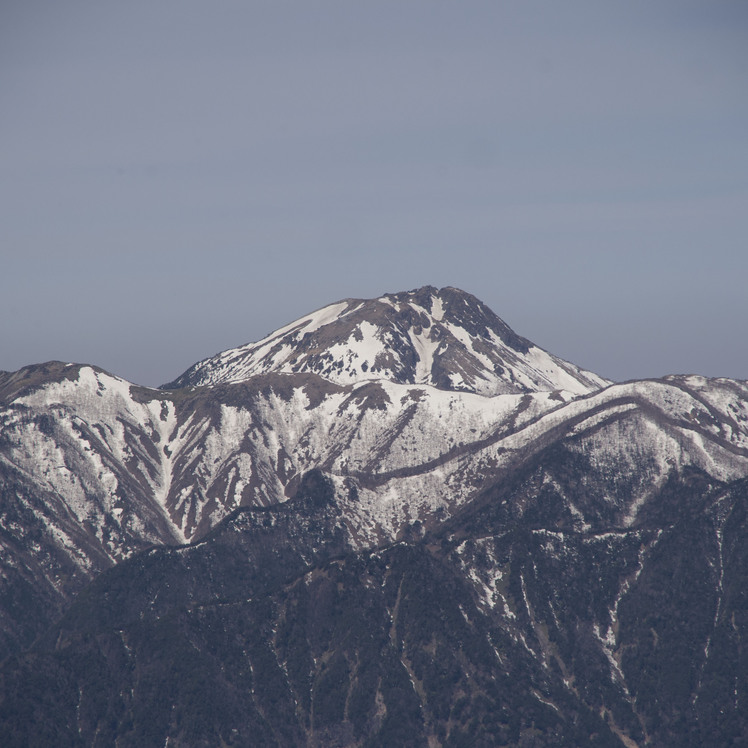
(182,176)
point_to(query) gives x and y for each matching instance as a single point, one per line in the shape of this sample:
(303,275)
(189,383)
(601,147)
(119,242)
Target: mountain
(93,468)
(444,338)
(392,522)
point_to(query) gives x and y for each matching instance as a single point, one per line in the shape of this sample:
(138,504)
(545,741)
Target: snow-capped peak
(444,338)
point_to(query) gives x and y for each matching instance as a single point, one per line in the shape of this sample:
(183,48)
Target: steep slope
(82,473)
(498,628)
(445,338)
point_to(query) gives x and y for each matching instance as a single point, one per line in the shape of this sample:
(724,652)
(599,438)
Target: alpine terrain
(393,522)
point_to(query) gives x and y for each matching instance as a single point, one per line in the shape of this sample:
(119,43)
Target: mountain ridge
(590,537)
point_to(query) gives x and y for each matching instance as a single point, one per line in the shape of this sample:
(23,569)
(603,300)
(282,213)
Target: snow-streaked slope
(624,443)
(446,338)
(410,450)
(86,438)
(167,466)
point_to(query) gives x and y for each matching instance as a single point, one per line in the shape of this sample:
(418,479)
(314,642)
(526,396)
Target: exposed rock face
(453,549)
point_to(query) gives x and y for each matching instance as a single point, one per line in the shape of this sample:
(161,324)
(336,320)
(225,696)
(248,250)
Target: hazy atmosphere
(177,178)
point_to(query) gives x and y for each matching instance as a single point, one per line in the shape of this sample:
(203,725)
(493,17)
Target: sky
(181,177)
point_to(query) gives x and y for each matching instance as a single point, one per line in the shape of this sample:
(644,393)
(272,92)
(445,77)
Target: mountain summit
(445,338)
